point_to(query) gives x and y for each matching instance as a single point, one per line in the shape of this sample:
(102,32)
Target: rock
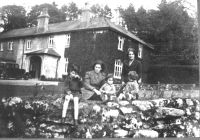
(143,105)
(123,103)
(189,102)
(120,133)
(112,104)
(126,110)
(146,133)
(96,108)
(170,111)
(159,102)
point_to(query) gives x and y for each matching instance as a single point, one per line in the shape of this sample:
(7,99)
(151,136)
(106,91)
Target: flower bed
(40,117)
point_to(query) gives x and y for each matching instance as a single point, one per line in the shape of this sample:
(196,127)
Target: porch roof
(48,51)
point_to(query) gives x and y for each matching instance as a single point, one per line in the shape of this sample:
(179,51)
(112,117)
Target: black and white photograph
(88,69)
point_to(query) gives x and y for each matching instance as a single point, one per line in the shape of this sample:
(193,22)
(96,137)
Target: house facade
(48,49)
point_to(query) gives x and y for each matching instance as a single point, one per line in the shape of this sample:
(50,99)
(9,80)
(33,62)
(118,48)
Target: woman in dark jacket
(93,81)
(131,65)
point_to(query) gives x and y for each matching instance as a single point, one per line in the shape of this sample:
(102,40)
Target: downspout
(57,68)
(23,55)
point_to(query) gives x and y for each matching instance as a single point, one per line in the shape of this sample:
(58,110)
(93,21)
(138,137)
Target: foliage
(101,11)
(170,29)
(13,17)
(71,11)
(56,15)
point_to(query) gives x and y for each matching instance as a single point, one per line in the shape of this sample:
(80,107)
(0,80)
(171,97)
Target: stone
(143,105)
(126,110)
(123,103)
(159,102)
(170,111)
(146,133)
(120,133)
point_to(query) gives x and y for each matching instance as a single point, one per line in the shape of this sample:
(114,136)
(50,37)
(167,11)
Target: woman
(93,81)
(131,65)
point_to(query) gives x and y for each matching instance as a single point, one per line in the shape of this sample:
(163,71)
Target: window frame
(118,66)
(51,42)
(68,39)
(28,44)
(120,43)
(1,47)
(140,51)
(10,45)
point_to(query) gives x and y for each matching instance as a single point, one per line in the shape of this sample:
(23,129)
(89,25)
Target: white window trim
(51,42)
(68,38)
(10,46)
(140,51)
(120,43)
(28,44)
(66,65)
(1,47)
(118,69)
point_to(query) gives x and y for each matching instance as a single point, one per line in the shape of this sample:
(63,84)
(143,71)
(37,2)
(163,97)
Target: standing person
(131,65)
(93,81)
(72,91)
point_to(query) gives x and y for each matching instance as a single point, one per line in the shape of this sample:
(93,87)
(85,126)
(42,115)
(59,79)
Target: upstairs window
(28,44)
(120,43)
(10,46)
(67,44)
(1,47)
(140,50)
(118,69)
(51,42)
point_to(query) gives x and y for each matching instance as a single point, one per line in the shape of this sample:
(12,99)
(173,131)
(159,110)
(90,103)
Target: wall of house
(9,54)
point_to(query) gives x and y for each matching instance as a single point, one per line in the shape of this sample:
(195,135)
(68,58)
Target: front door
(35,66)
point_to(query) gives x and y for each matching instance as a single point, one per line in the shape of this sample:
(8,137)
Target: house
(47,49)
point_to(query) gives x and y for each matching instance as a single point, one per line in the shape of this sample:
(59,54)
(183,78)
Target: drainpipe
(57,68)
(23,55)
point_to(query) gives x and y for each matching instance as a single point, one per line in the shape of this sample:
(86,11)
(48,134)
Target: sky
(147,4)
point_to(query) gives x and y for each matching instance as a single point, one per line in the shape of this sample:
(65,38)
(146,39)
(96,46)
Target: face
(72,73)
(97,68)
(110,81)
(131,55)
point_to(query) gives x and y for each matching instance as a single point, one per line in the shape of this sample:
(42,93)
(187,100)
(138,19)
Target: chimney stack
(86,14)
(43,21)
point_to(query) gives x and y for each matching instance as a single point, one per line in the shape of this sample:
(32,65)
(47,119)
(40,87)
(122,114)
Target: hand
(97,92)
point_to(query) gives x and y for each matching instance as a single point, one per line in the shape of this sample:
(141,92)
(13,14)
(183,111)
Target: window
(28,44)
(10,46)
(67,40)
(51,42)
(118,69)
(66,65)
(120,43)
(140,48)
(1,47)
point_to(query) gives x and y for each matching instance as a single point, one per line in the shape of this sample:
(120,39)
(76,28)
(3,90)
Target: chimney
(86,14)
(43,21)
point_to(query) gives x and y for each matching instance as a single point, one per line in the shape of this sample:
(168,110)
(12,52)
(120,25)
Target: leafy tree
(101,11)
(71,11)
(170,29)
(55,14)
(13,17)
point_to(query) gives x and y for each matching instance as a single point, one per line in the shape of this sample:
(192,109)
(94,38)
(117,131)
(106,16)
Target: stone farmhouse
(48,49)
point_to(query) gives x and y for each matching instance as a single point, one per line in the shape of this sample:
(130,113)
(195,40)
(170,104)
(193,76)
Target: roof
(48,51)
(69,26)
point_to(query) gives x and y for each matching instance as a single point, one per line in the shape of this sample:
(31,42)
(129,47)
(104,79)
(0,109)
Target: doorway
(35,66)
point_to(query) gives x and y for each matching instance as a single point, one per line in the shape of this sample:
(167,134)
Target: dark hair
(110,75)
(100,62)
(133,75)
(74,67)
(131,50)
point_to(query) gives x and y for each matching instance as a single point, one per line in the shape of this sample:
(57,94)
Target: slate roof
(69,26)
(48,51)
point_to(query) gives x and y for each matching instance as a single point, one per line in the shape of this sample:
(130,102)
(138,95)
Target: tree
(71,11)
(170,29)
(13,17)
(55,14)
(101,12)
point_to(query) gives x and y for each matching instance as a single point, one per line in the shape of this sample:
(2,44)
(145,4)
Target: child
(72,89)
(108,90)
(131,89)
